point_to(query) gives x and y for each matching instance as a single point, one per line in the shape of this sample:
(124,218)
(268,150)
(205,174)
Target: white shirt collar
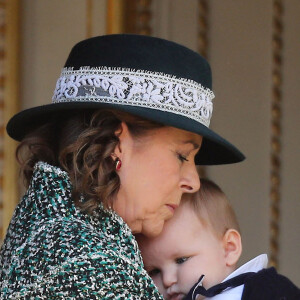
(254,265)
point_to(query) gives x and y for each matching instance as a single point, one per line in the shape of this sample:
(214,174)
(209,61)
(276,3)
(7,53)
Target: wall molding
(276,114)
(129,16)
(10,195)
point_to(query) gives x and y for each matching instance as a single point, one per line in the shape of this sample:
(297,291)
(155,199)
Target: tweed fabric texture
(54,251)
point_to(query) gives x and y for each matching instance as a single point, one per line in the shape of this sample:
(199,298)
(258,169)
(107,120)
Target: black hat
(149,77)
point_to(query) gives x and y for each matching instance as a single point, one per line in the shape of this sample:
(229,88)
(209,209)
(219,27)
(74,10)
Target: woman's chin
(152,231)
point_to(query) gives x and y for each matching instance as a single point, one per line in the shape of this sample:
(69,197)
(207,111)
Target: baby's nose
(169,278)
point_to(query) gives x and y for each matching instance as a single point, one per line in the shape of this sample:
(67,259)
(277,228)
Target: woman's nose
(190,182)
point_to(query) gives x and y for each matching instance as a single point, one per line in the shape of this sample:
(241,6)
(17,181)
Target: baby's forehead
(172,236)
(185,222)
(155,253)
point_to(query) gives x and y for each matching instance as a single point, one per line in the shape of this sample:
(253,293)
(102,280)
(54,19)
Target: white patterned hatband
(136,88)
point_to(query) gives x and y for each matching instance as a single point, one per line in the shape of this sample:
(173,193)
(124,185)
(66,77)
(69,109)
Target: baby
(203,238)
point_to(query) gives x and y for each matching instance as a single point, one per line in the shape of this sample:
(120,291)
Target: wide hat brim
(146,76)
(215,150)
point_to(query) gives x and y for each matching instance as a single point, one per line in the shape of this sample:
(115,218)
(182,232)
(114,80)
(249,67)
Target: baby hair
(213,208)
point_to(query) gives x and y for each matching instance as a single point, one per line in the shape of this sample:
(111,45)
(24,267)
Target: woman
(110,157)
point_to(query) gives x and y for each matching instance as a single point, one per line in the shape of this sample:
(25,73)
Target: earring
(118,164)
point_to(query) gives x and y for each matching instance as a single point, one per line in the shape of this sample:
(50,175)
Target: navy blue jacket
(267,284)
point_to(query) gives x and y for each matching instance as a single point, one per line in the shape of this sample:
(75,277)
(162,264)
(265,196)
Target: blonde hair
(213,208)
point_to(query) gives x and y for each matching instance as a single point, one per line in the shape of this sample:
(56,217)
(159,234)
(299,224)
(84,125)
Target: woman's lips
(172,207)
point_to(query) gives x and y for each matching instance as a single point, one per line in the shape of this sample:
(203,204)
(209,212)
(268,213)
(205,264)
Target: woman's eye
(181,260)
(153,272)
(182,158)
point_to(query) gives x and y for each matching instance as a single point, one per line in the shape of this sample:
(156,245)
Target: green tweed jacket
(54,251)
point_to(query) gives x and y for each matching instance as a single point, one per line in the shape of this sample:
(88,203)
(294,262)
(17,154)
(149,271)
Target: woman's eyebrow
(194,144)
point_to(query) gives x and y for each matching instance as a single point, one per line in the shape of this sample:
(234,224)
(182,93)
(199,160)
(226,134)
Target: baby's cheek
(190,275)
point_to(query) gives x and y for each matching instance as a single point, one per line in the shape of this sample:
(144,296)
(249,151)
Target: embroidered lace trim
(136,88)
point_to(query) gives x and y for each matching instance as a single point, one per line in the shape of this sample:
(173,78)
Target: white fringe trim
(136,88)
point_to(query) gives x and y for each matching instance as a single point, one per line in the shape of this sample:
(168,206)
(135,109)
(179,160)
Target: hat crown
(138,71)
(141,53)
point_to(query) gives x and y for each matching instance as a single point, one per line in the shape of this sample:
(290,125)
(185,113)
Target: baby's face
(182,253)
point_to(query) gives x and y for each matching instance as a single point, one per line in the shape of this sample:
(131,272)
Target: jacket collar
(51,191)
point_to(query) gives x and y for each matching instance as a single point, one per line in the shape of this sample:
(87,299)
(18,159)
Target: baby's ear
(232,244)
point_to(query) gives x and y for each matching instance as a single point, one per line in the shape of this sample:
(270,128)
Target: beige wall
(291,138)
(240,55)
(241,61)
(49,29)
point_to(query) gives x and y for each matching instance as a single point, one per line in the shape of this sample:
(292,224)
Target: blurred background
(253,48)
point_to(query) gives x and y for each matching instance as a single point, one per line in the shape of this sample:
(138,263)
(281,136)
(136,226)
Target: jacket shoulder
(267,284)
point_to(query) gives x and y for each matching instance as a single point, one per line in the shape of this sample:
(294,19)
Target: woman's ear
(232,244)
(125,140)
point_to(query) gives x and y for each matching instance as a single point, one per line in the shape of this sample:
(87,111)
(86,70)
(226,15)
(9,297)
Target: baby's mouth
(176,296)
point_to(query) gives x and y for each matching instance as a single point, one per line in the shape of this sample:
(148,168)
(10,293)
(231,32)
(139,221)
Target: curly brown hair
(82,144)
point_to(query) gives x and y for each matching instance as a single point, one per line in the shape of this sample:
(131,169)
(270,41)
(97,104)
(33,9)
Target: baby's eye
(181,260)
(153,272)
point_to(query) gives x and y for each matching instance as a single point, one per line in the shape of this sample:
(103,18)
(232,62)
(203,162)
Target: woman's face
(156,170)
